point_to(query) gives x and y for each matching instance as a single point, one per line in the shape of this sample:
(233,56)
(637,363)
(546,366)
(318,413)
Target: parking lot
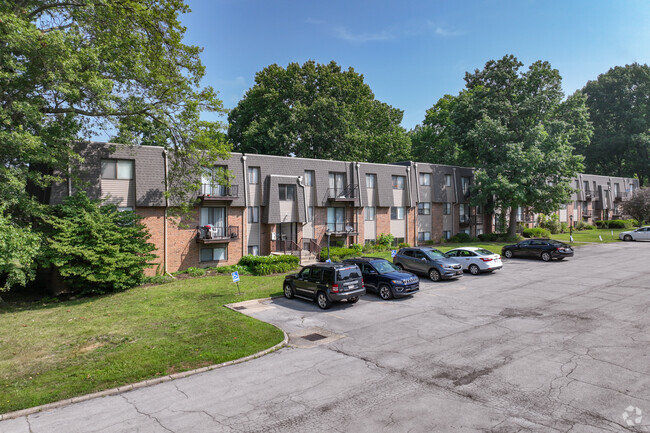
(558,346)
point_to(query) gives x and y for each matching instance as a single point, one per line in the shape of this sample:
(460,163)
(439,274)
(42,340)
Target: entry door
(287,232)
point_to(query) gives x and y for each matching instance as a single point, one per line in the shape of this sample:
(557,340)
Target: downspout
(304,199)
(165,216)
(410,202)
(245,226)
(69,180)
(453,218)
(417,195)
(360,200)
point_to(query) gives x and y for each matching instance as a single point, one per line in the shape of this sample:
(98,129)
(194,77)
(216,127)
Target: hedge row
(615,224)
(265,265)
(536,232)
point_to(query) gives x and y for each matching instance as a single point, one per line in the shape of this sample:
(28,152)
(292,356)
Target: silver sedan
(640,234)
(476,260)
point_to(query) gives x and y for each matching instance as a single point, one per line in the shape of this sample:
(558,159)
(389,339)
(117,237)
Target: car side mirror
(372,271)
(423,259)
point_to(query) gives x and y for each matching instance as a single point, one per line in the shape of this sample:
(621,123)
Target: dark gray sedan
(428,261)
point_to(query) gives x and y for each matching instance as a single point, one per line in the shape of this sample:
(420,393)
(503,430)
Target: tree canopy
(619,106)
(431,141)
(70,69)
(317,111)
(514,127)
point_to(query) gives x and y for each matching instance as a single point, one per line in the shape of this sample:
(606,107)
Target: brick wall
(411,237)
(383,220)
(154,218)
(437,221)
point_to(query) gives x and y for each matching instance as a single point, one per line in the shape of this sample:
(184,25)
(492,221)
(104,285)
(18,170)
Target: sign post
(393,253)
(235,279)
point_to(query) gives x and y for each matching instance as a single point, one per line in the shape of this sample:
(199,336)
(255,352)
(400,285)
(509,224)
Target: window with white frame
(214,253)
(253,175)
(287,192)
(425,179)
(309,177)
(464,183)
(371,181)
(214,216)
(424,208)
(253,214)
(424,236)
(446,208)
(336,219)
(447,179)
(397,213)
(399,182)
(370,213)
(117,169)
(310,213)
(254,250)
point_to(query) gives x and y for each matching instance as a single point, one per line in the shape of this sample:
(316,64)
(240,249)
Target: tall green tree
(619,106)
(516,129)
(431,141)
(638,205)
(71,68)
(317,111)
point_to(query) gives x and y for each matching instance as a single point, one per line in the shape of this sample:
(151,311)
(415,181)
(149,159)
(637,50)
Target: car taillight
(335,288)
(558,249)
(363,283)
(486,259)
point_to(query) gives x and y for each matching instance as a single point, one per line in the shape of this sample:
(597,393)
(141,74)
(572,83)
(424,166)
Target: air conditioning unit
(272,236)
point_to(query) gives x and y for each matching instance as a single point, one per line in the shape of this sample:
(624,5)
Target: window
(479,209)
(253,175)
(337,184)
(397,213)
(254,250)
(336,219)
(253,214)
(446,208)
(447,179)
(370,213)
(309,177)
(124,208)
(424,208)
(214,216)
(586,185)
(371,181)
(117,169)
(398,182)
(398,241)
(424,236)
(617,189)
(214,254)
(479,232)
(464,183)
(287,192)
(446,234)
(425,179)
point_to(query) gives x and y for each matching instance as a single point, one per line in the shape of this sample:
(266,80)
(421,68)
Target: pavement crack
(180,390)
(145,414)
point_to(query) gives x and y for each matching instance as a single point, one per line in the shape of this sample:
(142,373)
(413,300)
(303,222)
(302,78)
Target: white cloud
(358,38)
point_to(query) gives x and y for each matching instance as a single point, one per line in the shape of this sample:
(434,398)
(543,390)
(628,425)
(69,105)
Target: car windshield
(483,252)
(557,243)
(347,273)
(384,267)
(434,254)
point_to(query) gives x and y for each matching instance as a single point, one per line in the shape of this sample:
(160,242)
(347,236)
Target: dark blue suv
(386,279)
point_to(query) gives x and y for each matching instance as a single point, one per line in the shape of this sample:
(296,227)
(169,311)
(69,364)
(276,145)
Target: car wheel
(546,256)
(384,292)
(323,301)
(434,275)
(400,266)
(508,254)
(474,270)
(627,238)
(353,300)
(288,291)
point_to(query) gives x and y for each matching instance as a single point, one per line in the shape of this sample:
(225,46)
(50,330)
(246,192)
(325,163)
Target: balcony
(342,229)
(347,194)
(476,219)
(215,235)
(588,195)
(463,220)
(218,192)
(620,196)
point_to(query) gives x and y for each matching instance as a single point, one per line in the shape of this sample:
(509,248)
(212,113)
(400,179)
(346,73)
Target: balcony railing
(218,192)
(347,193)
(342,228)
(620,196)
(215,234)
(463,220)
(476,219)
(589,195)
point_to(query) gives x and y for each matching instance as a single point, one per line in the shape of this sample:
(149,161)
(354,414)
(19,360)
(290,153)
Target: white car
(640,234)
(476,260)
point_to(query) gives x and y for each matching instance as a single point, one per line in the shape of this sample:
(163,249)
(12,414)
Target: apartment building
(279,204)
(597,198)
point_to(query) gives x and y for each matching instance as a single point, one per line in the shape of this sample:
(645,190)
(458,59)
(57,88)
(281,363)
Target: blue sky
(411,53)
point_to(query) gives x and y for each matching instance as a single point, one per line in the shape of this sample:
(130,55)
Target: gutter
(359,222)
(166,211)
(245,226)
(410,202)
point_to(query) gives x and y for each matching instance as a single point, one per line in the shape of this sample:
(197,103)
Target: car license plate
(352,286)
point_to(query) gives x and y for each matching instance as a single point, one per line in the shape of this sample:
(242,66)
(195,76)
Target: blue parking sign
(235,277)
(393,253)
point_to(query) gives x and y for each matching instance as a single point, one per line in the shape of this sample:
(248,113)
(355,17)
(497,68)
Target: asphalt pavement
(543,347)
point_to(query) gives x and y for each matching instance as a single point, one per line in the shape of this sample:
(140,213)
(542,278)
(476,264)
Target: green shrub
(157,279)
(195,272)
(488,237)
(588,227)
(580,225)
(265,265)
(338,254)
(385,240)
(536,232)
(403,245)
(619,224)
(230,269)
(430,242)
(358,248)
(460,238)
(564,227)
(96,249)
(550,223)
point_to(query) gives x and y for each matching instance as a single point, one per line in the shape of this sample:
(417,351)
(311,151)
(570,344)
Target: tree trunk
(512,227)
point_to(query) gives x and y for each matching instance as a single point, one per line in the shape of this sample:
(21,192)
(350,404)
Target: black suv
(326,283)
(429,261)
(384,278)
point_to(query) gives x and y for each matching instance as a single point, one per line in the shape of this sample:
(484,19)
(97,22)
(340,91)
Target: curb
(143,384)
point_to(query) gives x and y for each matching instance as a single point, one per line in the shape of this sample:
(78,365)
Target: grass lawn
(591,235)
(54,351)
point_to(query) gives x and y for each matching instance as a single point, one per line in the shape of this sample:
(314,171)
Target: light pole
(328,233)
(571,227)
